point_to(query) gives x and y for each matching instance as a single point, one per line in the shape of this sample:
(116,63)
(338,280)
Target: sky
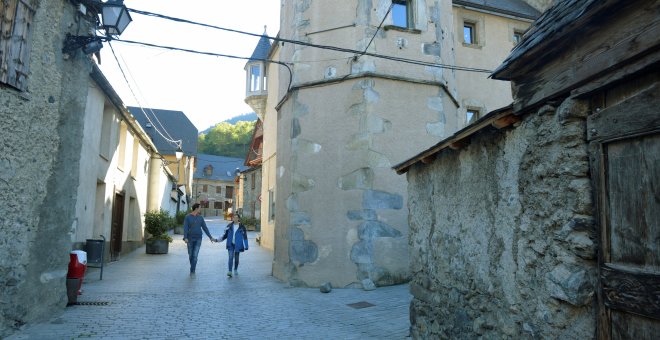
(207,89)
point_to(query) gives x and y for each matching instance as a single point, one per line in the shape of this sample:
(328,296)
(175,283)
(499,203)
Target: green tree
(226,139)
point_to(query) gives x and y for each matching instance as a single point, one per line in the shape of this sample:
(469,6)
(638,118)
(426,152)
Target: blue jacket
(193,226)
(241,237)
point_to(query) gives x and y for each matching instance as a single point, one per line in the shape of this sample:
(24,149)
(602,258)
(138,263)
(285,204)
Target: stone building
(332,209)
(214,184)
(541,220)
(43,94)
(486,31)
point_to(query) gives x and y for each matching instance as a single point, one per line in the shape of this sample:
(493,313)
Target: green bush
(157,223)
(251,223)
(180,216)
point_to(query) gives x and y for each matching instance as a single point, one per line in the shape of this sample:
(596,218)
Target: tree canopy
(224,139)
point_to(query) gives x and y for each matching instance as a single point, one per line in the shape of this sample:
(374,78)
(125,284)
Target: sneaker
(236,272)
(229,274)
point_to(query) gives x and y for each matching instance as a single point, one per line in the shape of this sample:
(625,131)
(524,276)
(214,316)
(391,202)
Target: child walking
(237,242)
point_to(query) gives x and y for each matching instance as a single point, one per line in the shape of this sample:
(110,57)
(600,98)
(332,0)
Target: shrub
(156,224)
(180,216)
(251,223)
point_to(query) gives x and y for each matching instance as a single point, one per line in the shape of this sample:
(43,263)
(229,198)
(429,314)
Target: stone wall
(502,234)
(340,208)
(40,139)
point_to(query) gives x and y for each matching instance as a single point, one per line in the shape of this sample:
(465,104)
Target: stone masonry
(42,131)
(340,212)
(502,234)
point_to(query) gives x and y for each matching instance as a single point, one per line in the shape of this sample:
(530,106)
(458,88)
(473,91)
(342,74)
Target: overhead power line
(179,142)
(209,54)
(302,43)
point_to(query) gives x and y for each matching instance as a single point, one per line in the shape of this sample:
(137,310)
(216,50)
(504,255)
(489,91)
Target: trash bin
(77,267)
(95,253)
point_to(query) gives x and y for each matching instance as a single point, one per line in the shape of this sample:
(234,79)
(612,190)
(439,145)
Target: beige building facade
(332,208)
(115,176)
(484,38)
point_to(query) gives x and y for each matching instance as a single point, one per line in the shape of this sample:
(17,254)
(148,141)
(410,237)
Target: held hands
(185,240)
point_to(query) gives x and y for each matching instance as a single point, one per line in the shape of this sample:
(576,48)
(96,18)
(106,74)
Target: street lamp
(115,18)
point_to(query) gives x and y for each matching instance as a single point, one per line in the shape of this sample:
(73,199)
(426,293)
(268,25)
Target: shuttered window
(15,40)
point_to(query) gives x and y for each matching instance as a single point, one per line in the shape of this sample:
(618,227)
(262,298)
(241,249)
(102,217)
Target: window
(208,170)
(217,205)
(218,189)
(15,41)
(471,115)
(401,13)
(229,193)
(255,78)
(271,205)
(204,204)
(469,36)
(205,188)
(517,36)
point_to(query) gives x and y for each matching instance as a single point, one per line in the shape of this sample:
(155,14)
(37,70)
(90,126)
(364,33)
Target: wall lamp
(115,19)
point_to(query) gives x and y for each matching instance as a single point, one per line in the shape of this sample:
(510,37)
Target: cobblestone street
(153,297)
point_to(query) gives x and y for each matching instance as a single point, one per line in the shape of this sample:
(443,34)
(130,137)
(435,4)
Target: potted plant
(251,223)
(178,222)
(156,224)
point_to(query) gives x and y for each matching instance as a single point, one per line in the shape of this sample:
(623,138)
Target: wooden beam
(428,159)
(620,38)
(459,144)
(506,121)
(634,292)
(633,113)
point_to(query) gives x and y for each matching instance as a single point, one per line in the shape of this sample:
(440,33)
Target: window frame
(473,33)
(516,37)
(407,6)
(476,113)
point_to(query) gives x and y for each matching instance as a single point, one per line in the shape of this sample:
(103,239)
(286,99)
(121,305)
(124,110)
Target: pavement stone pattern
(154,297)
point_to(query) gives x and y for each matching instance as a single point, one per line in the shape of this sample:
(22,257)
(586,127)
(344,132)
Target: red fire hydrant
(76,273)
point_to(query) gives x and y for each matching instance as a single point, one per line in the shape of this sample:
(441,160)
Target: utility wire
(149,109)
(326,47)
(211,54)
(378,29)
(175,142)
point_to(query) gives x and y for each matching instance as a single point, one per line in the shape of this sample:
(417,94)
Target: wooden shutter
(15,40)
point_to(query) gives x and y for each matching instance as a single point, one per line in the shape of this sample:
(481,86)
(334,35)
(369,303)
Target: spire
(262,48)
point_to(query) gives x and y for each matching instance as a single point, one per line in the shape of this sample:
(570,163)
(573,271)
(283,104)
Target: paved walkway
(153,297)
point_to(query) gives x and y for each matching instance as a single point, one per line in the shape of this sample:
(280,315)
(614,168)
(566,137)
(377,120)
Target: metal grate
(360,305)
(90,303)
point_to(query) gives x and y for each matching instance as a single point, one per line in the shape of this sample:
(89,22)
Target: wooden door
(117,229)
(624,147)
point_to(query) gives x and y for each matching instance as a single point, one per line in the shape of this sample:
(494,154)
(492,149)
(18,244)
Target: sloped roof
(223,168)
(176,123)
(553,25)
(261,51)
(511,7)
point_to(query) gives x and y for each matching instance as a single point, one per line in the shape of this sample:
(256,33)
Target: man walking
(193,225)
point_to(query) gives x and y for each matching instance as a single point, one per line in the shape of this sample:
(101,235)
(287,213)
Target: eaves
(497,119)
